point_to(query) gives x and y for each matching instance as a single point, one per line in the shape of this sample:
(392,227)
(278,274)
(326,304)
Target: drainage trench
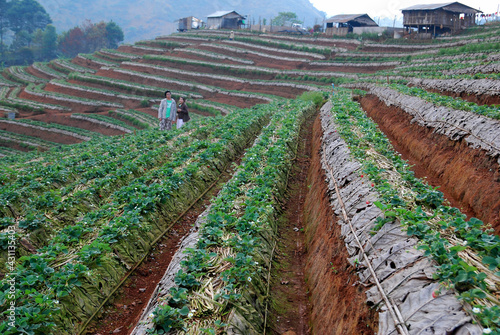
(338,300)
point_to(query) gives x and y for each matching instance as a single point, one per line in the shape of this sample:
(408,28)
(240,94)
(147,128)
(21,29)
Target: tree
(72,43)
(49,43)
(114,34)
(285,19)
(4,24)
(90,37)
(27,15)
(95,35)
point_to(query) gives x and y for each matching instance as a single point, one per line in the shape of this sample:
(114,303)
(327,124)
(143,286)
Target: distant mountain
(147,19)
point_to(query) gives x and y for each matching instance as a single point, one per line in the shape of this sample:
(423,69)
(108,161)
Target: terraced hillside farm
(285,205)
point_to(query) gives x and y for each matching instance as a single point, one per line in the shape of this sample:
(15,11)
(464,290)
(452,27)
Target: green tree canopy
(27,15)
(285,19)
(49,42)
(90,37)
(114,34)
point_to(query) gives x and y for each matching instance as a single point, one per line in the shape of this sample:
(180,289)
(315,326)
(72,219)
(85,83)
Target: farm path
(289,308)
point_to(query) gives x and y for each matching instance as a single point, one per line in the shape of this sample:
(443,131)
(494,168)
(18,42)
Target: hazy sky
(390,8)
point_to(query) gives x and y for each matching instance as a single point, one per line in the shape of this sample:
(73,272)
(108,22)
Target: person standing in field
(167,112)
(182,112)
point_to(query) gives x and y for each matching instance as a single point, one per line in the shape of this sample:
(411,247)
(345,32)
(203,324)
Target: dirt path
(289,299)
(338,300)
(313,287)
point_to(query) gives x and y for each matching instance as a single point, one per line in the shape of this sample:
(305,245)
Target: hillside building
(437,19)
(225,20)
(345,23)
(188,23)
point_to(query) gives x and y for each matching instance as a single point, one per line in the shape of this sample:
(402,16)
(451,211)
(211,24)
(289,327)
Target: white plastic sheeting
(403,272)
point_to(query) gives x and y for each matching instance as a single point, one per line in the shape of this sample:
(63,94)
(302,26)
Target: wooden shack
(188,23)
(436,19)
(225,20)
(345,23)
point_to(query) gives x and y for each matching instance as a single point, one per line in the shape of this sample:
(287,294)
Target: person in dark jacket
(182,112)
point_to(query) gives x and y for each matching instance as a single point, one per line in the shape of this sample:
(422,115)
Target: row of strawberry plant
(5,151)
(234,246)
(96,60)
(445,234)
(132,118)
(54,127)
(75,166)
(45,69)
(447,101)
(239,70)
(127,221)
(79,174)
(67,66)
(38,90)
(132,86)
(29,142)
(19,74)
(264,54)
(5,82)
(115,55)
(13,101)
(163,44)
(108,93)
(216,55)
(106,121)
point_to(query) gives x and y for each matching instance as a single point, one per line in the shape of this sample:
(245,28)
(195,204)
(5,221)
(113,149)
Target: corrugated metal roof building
(225,20)
(441,18)
(344,23)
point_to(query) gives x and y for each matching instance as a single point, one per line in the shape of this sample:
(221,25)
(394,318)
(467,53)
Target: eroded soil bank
(468,177)
(313,288)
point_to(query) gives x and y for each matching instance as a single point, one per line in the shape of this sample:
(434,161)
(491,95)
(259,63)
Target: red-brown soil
(86,63)
(131,50)
(242,102)
(280,64)
(203,58)
(338,303)
(213,70)
(13,145)
(42,134)
(468,177)
(127,103)
(65,119)
(75,107)
(37,73)
(347,69)
(286,92)
(121,315)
